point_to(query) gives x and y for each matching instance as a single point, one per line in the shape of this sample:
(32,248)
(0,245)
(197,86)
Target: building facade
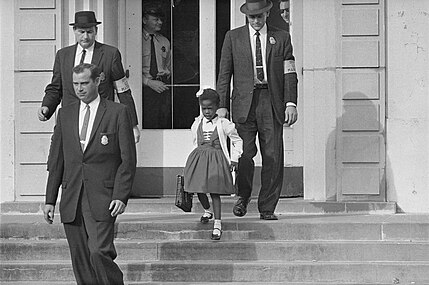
(363,129)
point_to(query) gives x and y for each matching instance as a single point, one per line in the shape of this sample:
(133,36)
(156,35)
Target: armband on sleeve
(289,66)
(121,85)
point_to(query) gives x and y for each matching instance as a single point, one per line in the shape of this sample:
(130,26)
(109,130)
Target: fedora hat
(153,10)
(254,7)
(84,19)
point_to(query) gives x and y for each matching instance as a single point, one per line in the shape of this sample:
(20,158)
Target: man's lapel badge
(104,140)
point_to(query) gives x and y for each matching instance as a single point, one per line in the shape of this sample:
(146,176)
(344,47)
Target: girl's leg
(216,206)
(217,226)
(207,215)
(204,200)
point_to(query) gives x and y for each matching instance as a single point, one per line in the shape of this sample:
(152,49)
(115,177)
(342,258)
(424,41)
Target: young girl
(208,168)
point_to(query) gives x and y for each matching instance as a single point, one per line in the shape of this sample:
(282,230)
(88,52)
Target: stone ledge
(285,206)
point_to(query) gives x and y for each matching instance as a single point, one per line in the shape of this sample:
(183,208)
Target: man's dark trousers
(261,120)
(91,247)
(156,109)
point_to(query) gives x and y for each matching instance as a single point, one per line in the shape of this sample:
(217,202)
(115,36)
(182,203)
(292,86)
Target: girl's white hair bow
(200,92)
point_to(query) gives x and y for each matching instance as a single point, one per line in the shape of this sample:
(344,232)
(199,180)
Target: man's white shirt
(93,107)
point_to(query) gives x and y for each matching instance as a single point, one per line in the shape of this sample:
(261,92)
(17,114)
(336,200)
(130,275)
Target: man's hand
(117,207)
(222,112)
(291,115)
(136,132)
(157,86)
(42,112)
(48,213)
(233,166)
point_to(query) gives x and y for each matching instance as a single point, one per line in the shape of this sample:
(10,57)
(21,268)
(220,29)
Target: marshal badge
(104,140)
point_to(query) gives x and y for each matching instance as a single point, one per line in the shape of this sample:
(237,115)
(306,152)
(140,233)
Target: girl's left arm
(236,141)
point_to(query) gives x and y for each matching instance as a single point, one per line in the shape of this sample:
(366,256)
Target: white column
(7,102)
(319,104)
(72,11)
(207,43)
(237,18)
(407,122)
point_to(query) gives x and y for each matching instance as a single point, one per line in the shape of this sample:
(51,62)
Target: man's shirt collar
(146,35)
(94,103)
(80,49)
(263,31)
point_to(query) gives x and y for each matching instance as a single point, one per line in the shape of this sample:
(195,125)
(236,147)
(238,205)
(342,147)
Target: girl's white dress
(207,166)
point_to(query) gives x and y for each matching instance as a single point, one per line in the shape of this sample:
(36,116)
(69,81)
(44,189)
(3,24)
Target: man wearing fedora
(259,58)
(87,50)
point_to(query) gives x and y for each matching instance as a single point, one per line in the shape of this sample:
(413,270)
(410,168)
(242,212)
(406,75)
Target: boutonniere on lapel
(102,76)
(163,49)
(104,140)
(272,41)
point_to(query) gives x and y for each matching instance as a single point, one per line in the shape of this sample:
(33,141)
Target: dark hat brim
(246,11)
(84,25)
(156,14)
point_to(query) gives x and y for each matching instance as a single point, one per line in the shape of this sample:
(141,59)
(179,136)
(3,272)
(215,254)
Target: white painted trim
(122,30)
(99,12)
(207,42)
(7,103)
(237,18)
(86,5)
(131,47)
(72,11)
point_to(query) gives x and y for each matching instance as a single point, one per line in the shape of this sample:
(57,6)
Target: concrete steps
(232,271)
(186,226)
(251,250)
(188,283)
(174,248)
(285,206)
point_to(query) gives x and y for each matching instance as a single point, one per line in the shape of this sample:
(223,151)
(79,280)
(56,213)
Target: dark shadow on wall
(355,149)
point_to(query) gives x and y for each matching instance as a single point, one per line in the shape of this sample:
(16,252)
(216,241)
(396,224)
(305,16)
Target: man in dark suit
(87,50)
(264,97)
(93,157)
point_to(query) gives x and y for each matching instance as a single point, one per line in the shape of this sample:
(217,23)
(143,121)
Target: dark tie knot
(257,33)
(151,36)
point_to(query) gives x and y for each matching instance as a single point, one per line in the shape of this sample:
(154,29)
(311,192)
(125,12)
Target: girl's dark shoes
(217,233)
(205,218)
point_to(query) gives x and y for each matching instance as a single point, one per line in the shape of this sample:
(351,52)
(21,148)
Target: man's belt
(260,86)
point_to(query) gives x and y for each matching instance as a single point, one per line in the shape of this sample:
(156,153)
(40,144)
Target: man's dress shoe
(240,208)
(268,216)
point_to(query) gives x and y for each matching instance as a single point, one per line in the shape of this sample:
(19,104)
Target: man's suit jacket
(236,61)
(107,58)
(106,169)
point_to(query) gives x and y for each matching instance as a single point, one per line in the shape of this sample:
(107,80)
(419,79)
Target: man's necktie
(84,127)
(82,57)
(153,65)
(259,65)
